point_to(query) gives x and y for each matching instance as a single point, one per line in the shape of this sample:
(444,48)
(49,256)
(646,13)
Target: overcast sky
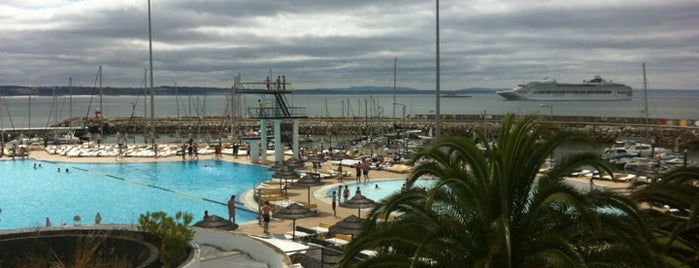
(331,44)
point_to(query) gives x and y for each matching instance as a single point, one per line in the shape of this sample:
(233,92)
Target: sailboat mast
(152,98)
(395,61)
(645,96)
(101,107)
(70,102)
(2,125)
(29,106)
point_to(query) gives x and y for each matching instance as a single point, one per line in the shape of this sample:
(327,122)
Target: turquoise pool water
(386,187)
(119,192)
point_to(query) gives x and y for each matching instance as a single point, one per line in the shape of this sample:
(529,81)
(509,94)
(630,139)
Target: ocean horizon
(43,111)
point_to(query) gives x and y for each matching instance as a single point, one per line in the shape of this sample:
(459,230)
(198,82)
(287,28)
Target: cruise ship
(596,89)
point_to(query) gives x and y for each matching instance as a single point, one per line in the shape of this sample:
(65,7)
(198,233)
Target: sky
(338,44)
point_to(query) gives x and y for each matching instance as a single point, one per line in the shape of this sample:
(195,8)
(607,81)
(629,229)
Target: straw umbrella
(276,167)
(216,222)
(316,159)
(285,173)
(351,225)
(294,211)
(308,181)
(359,202)
(294,163)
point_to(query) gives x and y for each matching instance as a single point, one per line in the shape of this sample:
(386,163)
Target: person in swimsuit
(346,193)
(266,210)
(231,209)
(334,203)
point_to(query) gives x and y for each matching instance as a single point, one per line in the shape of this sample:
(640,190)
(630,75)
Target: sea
(43,111)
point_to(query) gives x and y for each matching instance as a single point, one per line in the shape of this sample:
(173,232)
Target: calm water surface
(41,111)
(120,192)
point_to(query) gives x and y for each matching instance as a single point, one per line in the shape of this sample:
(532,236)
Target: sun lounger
(321,230)
(340,239)
(312,207)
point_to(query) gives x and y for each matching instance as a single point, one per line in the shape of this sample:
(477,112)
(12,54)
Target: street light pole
(550,106)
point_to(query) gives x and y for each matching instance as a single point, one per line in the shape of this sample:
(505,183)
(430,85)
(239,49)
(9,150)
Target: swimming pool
(386,187)
(389,186)
(120,192)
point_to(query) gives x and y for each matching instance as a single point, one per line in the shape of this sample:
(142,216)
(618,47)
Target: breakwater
(601,129)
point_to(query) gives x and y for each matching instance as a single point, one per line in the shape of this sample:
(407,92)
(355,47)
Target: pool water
(389,186)
(386,187)
(120,192)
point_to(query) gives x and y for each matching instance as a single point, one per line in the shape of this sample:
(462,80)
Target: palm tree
(492,209)
(677,232)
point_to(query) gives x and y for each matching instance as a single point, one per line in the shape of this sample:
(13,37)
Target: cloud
(350,43)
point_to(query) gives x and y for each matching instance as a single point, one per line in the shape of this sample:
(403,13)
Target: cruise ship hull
(594,90)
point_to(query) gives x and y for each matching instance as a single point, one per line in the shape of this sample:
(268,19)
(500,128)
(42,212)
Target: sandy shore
(295,194)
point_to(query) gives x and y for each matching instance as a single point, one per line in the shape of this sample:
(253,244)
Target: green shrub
(174,234)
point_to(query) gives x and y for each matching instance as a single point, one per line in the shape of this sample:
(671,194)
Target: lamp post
(550,106)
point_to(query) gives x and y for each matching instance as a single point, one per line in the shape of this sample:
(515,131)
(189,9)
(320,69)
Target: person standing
(261,107)
(365,170)
(339,173)
(346,193)
(98,218)
(358,170)
(334,203)
(231,209)
(339,192)
(266,210)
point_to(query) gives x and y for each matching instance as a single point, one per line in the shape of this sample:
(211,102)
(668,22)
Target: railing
(275,112)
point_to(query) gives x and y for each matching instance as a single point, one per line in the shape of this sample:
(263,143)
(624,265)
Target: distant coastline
(9,90)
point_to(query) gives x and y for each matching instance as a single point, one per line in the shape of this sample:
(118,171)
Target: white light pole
(437,115)
(550,106)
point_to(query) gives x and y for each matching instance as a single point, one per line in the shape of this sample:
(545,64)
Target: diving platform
(272,107)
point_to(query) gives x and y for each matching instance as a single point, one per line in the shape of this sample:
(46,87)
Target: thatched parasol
(294,163)
(308,181)
(294,211)
(276,166)
(359,202)
(216,222)
(285,173)
(351,225)
(316,160)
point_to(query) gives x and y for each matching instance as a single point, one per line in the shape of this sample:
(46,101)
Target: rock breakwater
(606,131)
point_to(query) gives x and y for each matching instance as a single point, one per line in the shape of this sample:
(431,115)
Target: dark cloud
(350,43)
